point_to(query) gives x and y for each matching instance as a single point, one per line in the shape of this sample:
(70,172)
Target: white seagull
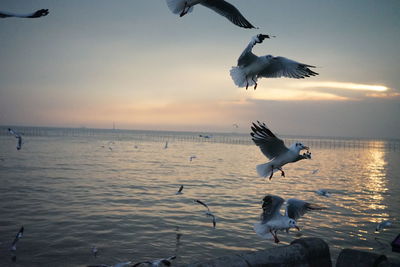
(272,220)
(182,7)
(37,14)
(157,263)
(18,136)
(208,212)
(251,67)
(275,150)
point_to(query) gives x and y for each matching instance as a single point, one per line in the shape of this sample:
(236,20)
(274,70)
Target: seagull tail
(262,231)
(177,6)
(264,170)
(239,77)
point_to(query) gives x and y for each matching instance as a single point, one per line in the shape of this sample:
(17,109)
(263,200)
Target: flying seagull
(192,157)
(179,192)
(251,67)
(18,136)
(37,14)
(17,237)
(323,192)
(159,262)
(182,7)
(208,212)
(383,224)
(275,150)
(272,220)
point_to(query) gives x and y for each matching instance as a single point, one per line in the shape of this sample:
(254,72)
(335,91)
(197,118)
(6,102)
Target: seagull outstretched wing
(271,207)
(296,208)
(270,145)
(284,67)
(37,14)
(228,11)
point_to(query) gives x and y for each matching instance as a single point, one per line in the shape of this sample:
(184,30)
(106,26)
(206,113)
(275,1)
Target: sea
(73,189)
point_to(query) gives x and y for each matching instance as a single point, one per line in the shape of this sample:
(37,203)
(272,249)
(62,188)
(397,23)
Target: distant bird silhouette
(182,7)
(18,136)
(251,67)
(383,224)
(208,212)
(37,14)
(179,192)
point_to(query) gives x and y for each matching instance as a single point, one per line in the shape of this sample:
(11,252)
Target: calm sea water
(74,192)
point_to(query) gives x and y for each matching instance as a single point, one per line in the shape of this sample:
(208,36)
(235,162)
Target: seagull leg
(282,172)
(272,172)
(276,240)
(255,83)
(276,237)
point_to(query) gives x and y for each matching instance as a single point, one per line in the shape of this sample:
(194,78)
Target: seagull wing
(270,145)
(202,203)
(228,11)
(180,189)
(271,207)
(296,208)
(18,236)
(13,132)
(284,67)
(37,14)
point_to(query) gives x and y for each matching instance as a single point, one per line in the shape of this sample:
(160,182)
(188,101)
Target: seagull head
(299,146)
(292,224)
(259,38)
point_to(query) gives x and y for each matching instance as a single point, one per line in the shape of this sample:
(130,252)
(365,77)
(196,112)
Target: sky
(94,62)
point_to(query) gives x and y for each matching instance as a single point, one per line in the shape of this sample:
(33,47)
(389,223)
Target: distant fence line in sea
(226,138)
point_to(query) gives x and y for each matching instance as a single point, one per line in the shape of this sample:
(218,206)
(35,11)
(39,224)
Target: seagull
(17,237)
(323,192)
(166,145)
(18,136)
(192,157)
(315,171)
(275,150)
(235,125)
(251,67)
(272,220)
(182,7)
(383,224)
(205,136)
(208,212)
(179,192)
(159,262)
(94,251)
(37,14)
